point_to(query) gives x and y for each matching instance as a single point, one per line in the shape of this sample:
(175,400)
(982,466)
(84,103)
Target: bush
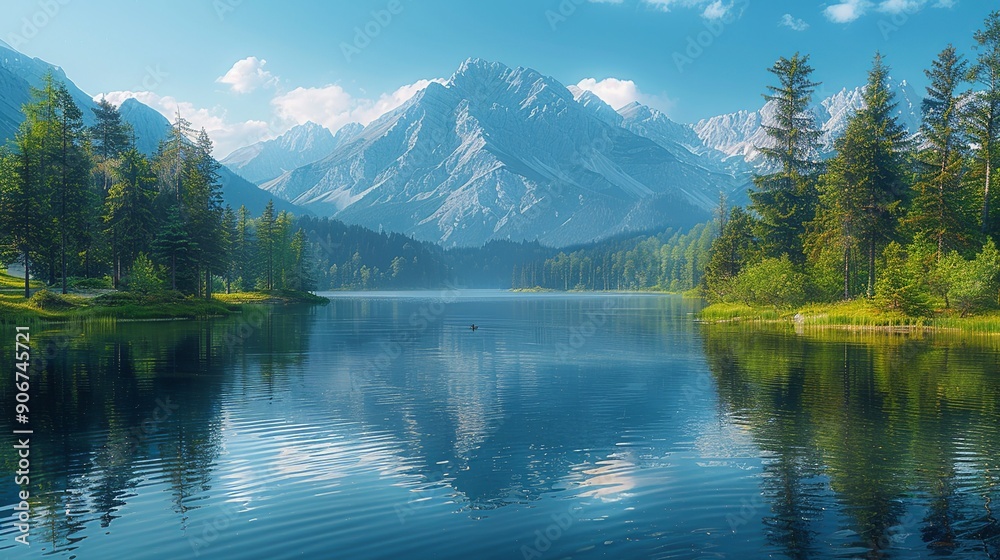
(972,285)
(48,301)
(143,278)
(773,282)
(898,287)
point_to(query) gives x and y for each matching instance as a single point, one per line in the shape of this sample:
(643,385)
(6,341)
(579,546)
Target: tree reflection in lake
(900,430)
(117,405)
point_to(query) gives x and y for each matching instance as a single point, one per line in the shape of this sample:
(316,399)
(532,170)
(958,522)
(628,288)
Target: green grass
(856,315)
(737,312)
(14,285)
(46,306)
(272,297)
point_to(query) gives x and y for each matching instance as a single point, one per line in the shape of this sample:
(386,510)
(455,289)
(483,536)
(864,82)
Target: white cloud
(847,11)
(247,75)
(619,93)
(716,10)
(333,107)
(793,23)
(710,9)
(850,10)
(912,6)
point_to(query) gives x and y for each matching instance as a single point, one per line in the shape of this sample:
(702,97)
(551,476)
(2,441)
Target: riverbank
(851,315)
(46,306)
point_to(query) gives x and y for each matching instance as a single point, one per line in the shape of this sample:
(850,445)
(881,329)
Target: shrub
(972,285)
(773,282)
(48,301)
(898,287)
(143,278)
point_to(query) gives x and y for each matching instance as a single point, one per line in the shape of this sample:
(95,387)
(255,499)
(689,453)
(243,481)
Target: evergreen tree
(23,209)
(71,197)
(202,203)
(863,191)
(941,208)
(128,210)
(266,235)
(786,199)
(982,117)
(243,249)
(734,249)
(229,244)
(173,246)
(111,138)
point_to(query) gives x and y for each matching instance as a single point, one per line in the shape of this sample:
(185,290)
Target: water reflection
(118,408)
(900,432)
(384,425)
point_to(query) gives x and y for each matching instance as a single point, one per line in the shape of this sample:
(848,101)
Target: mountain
(148,125)
(740,134)
(303,144)
(503,153)
(19,73)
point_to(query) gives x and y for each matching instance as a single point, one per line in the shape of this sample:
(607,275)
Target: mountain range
(508,153)
(493,153)
(505,153)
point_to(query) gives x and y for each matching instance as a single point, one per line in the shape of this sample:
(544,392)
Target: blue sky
(249,69)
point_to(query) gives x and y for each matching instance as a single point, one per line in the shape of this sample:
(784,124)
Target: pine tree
(71,197)
(202,201)
(863,190)
(941,208)
(128,210)
(266,237)
(734,249)
(173,246)
(111,138)
(982,117)
(22,209)
(243,249)
(229,243)
(786,199)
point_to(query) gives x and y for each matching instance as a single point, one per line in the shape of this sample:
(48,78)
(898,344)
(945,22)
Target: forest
(83,207)
(904,221)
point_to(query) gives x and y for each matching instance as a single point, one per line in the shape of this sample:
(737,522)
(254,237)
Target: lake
(566,426)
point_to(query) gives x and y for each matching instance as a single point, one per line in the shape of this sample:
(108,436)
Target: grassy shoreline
(853,315)
(48,307)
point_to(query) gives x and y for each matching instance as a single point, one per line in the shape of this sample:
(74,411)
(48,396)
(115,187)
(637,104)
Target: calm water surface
(578,427)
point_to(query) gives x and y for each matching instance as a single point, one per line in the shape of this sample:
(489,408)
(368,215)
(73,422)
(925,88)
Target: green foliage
(981,118)
(735,248)
(143,277)
(943,205)
(772,282)
(972,286)
(785,200)
(671,261)
(899,288)
(48,301)
(863,191)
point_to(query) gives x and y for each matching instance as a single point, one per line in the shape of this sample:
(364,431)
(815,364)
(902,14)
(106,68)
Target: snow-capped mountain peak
(504,153)
(300,145)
